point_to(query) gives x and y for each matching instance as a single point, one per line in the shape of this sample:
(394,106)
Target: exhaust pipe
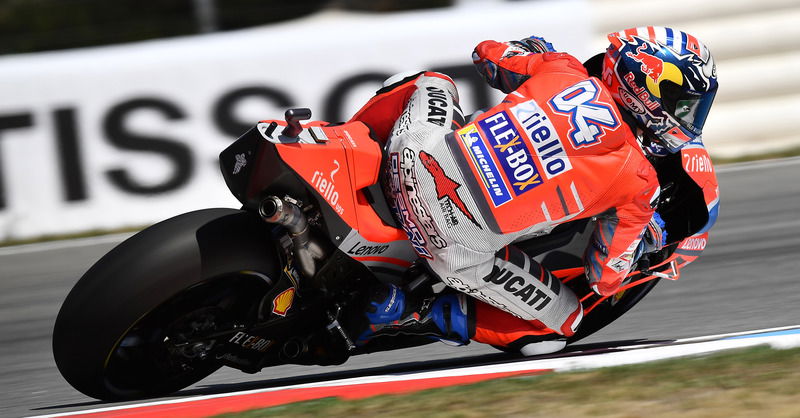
(278,211)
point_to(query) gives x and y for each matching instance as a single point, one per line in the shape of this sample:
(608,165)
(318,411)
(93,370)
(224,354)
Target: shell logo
(283,302)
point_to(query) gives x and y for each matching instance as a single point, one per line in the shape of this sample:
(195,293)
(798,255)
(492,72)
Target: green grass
(755,382)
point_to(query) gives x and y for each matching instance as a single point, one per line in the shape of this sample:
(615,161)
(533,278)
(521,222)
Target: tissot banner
(128,135)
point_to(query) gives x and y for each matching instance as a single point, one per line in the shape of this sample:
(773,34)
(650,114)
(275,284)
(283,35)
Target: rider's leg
(391,103)
(404,111)
(549,311)
(390,312)
(455,318)
(499,328)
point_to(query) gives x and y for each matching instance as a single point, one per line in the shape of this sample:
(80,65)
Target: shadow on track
(420,366)
(393,369)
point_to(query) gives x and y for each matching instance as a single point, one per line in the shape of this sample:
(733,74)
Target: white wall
(755,45)
(128,135)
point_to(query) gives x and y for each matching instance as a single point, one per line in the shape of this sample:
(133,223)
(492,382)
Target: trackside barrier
(758,62)
(126,135)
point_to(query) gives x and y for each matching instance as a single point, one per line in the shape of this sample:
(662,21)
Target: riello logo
(697,163)
(326,188)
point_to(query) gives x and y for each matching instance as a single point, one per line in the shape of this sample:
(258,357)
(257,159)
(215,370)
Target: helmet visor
(691,109)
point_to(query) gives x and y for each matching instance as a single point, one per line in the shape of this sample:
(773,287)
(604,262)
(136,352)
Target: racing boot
(391,311)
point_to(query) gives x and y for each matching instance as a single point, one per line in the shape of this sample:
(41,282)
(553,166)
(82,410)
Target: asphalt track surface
(746,279)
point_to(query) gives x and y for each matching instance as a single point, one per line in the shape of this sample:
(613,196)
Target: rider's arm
(506,65)
(618,233)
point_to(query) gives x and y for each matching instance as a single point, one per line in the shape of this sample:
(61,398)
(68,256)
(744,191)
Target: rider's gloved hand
(504,65)
(654,237)
(535,44)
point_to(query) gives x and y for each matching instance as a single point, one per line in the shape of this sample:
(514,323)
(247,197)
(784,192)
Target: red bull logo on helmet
(654,69)
(651,65)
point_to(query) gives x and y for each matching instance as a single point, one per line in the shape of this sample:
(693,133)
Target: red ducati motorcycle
(269,284)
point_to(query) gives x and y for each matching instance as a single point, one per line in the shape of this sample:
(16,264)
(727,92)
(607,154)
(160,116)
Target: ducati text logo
(446,188)
(589,118)
(512,152)
(437,105)
(514,284)
(490,175)
(544,136)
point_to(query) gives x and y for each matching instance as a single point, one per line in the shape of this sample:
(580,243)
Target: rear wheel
(172,346)
(142,321)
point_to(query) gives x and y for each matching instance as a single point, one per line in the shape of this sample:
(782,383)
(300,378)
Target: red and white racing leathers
(555,150)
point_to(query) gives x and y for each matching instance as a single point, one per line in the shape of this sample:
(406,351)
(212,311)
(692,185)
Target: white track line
(628,355)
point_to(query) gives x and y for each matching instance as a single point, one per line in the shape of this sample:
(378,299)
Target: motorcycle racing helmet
(665,78)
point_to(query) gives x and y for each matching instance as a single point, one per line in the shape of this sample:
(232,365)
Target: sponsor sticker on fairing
(482,160)
(283,302)
(544,137)
(252,342)
(326,186)
(697,161)
(512,152)
(694,244)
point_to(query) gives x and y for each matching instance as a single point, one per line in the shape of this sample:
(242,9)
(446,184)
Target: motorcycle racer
(562,145)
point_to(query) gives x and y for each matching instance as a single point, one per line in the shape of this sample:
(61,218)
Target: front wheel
(141,322)
(611,310)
